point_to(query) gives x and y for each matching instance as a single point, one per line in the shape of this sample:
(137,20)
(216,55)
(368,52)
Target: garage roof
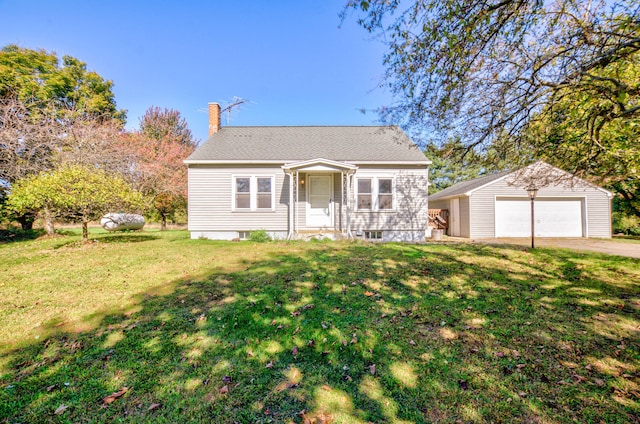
(539,174)
(469,185)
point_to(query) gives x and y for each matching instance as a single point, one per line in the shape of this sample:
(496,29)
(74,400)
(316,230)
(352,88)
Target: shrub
(259,236)
(626,224)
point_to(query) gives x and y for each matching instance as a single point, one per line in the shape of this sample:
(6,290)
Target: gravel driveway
(629,248)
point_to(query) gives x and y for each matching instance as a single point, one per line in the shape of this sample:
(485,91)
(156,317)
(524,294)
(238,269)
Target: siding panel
(210,200)
(411,211)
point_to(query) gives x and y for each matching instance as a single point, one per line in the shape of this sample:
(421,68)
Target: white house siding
(210,202)
(482,207)
(411,205)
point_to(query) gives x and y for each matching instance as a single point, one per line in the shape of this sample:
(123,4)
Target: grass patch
(221,332)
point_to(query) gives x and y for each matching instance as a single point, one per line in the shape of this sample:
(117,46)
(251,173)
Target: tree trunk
(26,221)
(48,222)
(163,225)
(85,232)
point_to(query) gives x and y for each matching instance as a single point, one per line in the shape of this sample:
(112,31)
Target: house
(309,181)
(499,205)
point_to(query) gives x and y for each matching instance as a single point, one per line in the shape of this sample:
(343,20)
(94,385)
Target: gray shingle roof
(290,144)
(465,186)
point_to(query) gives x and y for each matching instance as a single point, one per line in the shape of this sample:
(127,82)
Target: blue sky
(290,58)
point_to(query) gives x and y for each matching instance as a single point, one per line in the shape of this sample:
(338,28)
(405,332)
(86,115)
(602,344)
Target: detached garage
(498,205)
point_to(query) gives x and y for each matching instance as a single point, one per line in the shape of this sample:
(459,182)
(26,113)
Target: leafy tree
(74,193)
(159,124)
(158,150)
(39,80)
(43,104)
(452,163)
(490,71)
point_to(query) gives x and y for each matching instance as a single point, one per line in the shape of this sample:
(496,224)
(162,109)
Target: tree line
(64,151)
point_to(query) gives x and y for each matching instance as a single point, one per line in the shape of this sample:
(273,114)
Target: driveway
(629,248)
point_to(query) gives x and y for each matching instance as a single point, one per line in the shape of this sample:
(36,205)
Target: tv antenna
(236,102)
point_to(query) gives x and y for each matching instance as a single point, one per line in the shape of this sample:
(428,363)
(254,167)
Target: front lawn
(154,327)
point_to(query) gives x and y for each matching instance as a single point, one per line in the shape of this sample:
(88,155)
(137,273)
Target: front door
(319,206)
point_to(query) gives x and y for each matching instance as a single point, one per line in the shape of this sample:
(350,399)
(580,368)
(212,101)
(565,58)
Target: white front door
(319,205)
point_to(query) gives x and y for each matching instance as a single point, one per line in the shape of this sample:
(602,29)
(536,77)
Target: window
(364,193)
(385,193)
(244,235)
(253,193)
(243,193)
(373,235)
(264,193)
(376,193)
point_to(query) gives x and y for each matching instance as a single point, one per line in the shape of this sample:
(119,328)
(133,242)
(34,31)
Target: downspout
(349,179)
(297,188)
(290,235)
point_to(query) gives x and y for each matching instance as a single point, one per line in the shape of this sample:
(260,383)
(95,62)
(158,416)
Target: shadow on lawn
(389,333)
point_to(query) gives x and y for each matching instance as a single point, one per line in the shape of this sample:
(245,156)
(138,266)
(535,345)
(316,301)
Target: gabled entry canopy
(320,165)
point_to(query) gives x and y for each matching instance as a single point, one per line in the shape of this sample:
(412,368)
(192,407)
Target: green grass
(204,331)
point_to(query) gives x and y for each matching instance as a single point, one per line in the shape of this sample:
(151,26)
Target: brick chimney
(214,118)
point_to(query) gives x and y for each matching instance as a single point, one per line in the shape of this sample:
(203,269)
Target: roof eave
(282,162)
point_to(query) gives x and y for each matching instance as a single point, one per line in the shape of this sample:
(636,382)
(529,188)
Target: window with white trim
(385,193)
(253,193)
(375,193)
(364,193)
(373,235)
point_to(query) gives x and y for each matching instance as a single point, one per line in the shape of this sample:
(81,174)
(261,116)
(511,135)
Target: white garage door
(554,217)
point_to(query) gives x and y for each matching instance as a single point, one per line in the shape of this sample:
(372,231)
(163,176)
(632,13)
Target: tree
(47,106)
(74,193)
(491,70)
(452,163)
(158,150)
(38,79)
(159,124)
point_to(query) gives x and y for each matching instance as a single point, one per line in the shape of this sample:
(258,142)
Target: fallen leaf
(154,406)
(269,365)
(227,379)
(296,330)
(294,350)
(311,343)
(372,369)
(224,390)
(324,326)
(412,343)
(463,384)
(60,410)
(369,294)
(115,395)
(250,353)
(295,313)
(500,354)
(598,382)
(53,386)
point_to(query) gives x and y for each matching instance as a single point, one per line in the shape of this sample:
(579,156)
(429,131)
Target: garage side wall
(482,207)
